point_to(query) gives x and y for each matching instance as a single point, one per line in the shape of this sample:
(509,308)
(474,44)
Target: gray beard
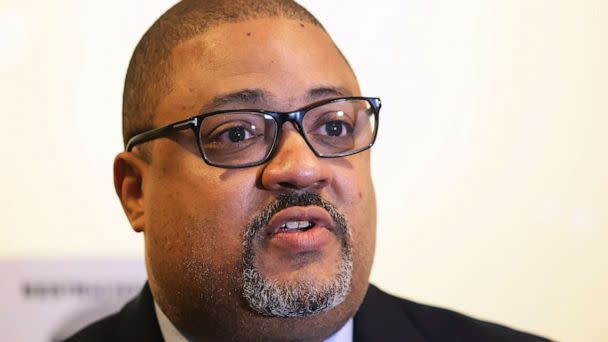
(295,299)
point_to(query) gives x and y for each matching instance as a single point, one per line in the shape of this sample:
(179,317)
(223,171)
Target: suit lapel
(137,319)
(382,318)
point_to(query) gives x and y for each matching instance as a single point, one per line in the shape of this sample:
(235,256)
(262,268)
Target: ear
(129,172)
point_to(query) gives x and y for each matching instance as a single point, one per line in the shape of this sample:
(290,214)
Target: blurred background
(491,167)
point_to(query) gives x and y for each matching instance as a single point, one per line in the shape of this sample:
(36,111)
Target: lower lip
(298,241)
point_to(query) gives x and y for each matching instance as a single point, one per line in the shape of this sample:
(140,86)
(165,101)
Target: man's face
(198,218)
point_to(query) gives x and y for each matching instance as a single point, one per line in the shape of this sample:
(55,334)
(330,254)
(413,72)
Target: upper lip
(315,214)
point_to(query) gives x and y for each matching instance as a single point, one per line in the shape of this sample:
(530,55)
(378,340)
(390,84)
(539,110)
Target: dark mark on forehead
(248,34)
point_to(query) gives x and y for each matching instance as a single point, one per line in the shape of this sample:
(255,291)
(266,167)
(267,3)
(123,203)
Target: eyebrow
(245,96)
(320,93)
(257,96)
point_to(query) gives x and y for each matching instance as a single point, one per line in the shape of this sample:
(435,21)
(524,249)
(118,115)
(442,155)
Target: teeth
(296,225)
(303,224)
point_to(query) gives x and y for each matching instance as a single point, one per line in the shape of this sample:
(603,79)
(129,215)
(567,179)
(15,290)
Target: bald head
(148,77)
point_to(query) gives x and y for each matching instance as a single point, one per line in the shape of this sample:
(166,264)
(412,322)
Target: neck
(171,334)
(223,315)
(240,323)
(252,326)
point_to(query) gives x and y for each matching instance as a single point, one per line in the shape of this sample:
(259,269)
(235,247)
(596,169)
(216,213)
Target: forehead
(283,58)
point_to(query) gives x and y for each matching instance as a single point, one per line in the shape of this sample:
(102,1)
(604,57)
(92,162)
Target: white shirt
(171,334)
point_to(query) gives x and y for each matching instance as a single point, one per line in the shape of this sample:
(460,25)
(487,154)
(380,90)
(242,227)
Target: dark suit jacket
(381,317)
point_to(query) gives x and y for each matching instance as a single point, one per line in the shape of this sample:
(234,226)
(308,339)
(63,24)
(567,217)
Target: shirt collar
(171,334)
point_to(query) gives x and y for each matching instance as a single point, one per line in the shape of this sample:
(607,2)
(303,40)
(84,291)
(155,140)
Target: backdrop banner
(48,300)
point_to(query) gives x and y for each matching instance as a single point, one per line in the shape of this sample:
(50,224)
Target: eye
(237,134)
(336,128)
(329,124)
(234,133)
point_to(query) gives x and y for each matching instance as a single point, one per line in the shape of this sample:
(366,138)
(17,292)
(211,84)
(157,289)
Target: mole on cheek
(248,34)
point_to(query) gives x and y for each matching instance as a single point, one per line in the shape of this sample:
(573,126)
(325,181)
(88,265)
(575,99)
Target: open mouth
(299,219)
(295,226)
(300,228)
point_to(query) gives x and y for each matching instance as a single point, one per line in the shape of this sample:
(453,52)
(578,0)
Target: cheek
(194,223)
(362,220)
(355,192)
(352,185)
(191,192)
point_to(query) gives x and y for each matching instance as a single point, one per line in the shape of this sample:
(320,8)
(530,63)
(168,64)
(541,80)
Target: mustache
(292,199)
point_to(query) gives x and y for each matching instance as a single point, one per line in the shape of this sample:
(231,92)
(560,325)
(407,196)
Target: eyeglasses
(248,137)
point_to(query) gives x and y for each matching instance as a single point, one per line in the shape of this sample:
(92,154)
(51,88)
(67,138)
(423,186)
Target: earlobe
(129,172)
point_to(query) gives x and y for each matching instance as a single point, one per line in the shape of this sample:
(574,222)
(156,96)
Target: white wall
(490,168)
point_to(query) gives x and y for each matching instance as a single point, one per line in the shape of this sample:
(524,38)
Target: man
(247,168)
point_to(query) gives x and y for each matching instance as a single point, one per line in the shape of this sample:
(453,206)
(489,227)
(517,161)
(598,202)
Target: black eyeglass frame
(195,123)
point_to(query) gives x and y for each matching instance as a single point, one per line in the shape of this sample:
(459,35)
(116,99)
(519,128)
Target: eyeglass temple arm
(159,132)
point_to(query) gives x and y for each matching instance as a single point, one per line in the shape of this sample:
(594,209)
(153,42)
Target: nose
(295,166)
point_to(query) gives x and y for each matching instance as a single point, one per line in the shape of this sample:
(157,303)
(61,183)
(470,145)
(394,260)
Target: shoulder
(106,329)
(136,321)
(385,316)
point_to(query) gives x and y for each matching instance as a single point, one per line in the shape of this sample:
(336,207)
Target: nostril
(288,185)
(321,184)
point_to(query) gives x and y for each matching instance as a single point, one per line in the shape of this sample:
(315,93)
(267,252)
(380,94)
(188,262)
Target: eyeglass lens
(332,129)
